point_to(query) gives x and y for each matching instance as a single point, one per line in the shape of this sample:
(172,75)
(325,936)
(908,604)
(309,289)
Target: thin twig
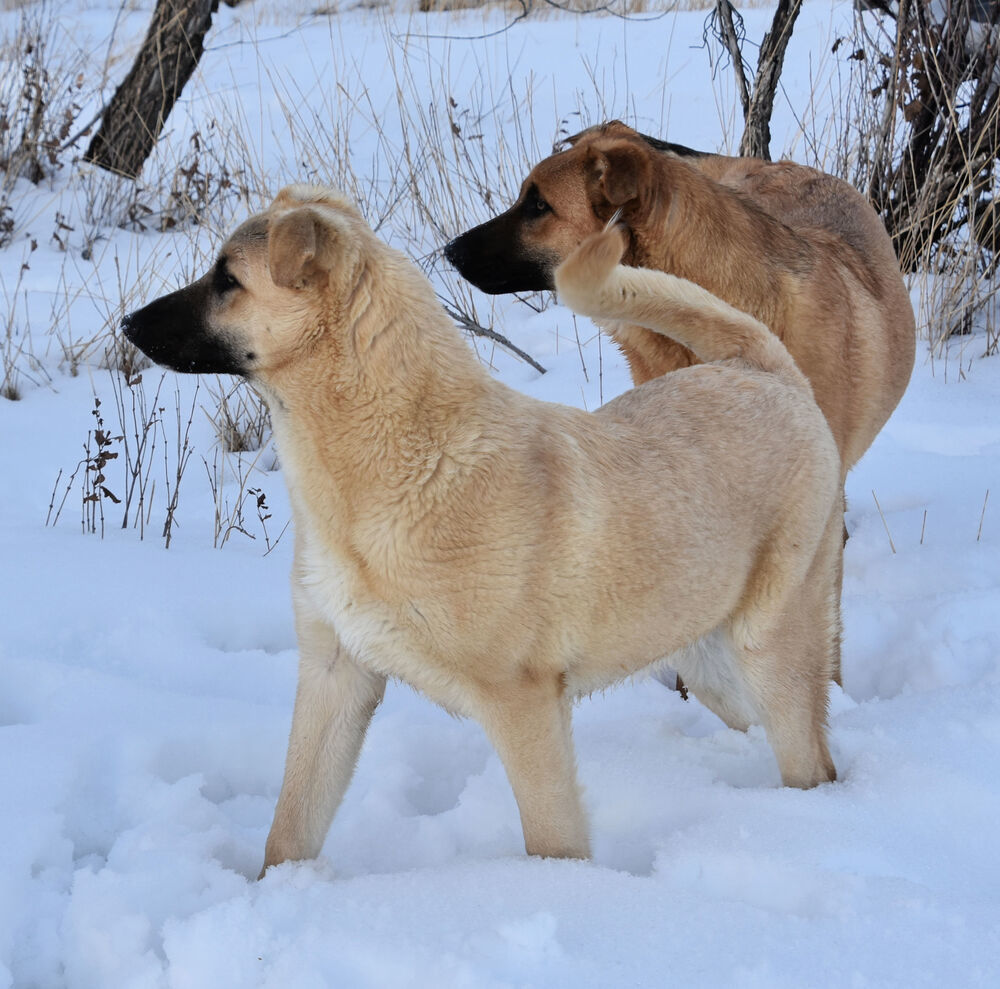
(482,331)
(728,35)
(892,545)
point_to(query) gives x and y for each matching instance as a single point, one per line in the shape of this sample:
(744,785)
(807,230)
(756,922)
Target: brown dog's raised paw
(584,273)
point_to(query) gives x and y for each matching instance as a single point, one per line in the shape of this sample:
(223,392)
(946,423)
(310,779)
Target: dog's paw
(581,277)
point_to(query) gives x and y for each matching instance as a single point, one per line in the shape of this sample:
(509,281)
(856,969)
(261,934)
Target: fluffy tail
(591,281)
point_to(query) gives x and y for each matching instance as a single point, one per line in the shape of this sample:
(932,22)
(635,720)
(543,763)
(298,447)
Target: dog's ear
(292,247)
(618,175)
(610,128)
(571,141)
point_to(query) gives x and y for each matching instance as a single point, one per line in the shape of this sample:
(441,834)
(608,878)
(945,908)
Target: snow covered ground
(145,693)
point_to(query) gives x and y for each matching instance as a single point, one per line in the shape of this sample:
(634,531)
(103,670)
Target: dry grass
(547,8)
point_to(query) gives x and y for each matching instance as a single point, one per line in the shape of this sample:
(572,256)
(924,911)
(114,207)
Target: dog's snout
(453,251)
(495,258)
(463,254)
(176,331)
(127,326)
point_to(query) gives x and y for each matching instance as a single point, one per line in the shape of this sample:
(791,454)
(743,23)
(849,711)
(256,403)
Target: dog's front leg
(530,724)
(334,703)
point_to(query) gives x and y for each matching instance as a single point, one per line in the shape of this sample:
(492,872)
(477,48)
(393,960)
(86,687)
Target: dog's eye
(223,280)
(535,206)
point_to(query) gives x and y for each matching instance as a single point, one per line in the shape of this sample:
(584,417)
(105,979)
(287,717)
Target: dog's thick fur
(502,554)
(800,250)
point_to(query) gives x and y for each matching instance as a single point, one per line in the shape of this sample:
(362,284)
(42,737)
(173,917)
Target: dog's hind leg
(530,725)
(334,703)
(793,711)
(787,673)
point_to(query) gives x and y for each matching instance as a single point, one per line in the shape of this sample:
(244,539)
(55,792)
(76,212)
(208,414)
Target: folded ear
(292,246)
(618,174)
(610,128)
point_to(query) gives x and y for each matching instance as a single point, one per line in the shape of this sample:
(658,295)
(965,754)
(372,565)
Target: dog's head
(263,300)
(564,199)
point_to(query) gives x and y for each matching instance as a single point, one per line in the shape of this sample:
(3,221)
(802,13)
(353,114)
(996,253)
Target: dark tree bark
(731,36)
(132,121)
(756,142)
(758,103)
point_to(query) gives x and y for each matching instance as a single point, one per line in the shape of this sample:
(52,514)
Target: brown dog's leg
(530,725)
(334,704)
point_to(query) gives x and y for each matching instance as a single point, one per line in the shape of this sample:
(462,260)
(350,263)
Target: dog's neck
(713,236)
(372,407)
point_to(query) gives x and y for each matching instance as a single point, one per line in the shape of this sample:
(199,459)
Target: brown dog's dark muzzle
(172,331)
(493,258)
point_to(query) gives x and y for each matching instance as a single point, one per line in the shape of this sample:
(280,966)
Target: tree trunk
(756,142)
(132,121)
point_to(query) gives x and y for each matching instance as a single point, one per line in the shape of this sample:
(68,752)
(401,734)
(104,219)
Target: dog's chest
(366,624)
(389,638)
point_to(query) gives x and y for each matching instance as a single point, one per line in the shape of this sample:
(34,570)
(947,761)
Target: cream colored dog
(502,554)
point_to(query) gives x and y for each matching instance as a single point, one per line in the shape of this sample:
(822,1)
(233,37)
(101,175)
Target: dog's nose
(453,251)
(127,325)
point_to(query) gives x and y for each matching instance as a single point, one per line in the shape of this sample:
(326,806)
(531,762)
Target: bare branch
(756,142)
(726,31)
(482,331)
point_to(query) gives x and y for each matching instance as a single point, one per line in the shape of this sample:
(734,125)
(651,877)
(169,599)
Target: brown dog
(800,250)
(502,554)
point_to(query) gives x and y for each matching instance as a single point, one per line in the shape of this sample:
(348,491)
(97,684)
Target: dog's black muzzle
(172,331)
(493,257)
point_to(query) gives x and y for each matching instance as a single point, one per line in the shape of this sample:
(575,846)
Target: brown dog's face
(564,199)
(246,315)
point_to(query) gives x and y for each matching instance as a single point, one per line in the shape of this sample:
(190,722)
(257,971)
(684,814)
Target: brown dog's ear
(618,175)
(610,128)
(292,245)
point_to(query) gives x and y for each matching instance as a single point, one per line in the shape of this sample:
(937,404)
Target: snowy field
(146,693)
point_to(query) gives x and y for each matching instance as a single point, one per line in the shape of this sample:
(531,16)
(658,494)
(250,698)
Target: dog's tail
(592,282)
